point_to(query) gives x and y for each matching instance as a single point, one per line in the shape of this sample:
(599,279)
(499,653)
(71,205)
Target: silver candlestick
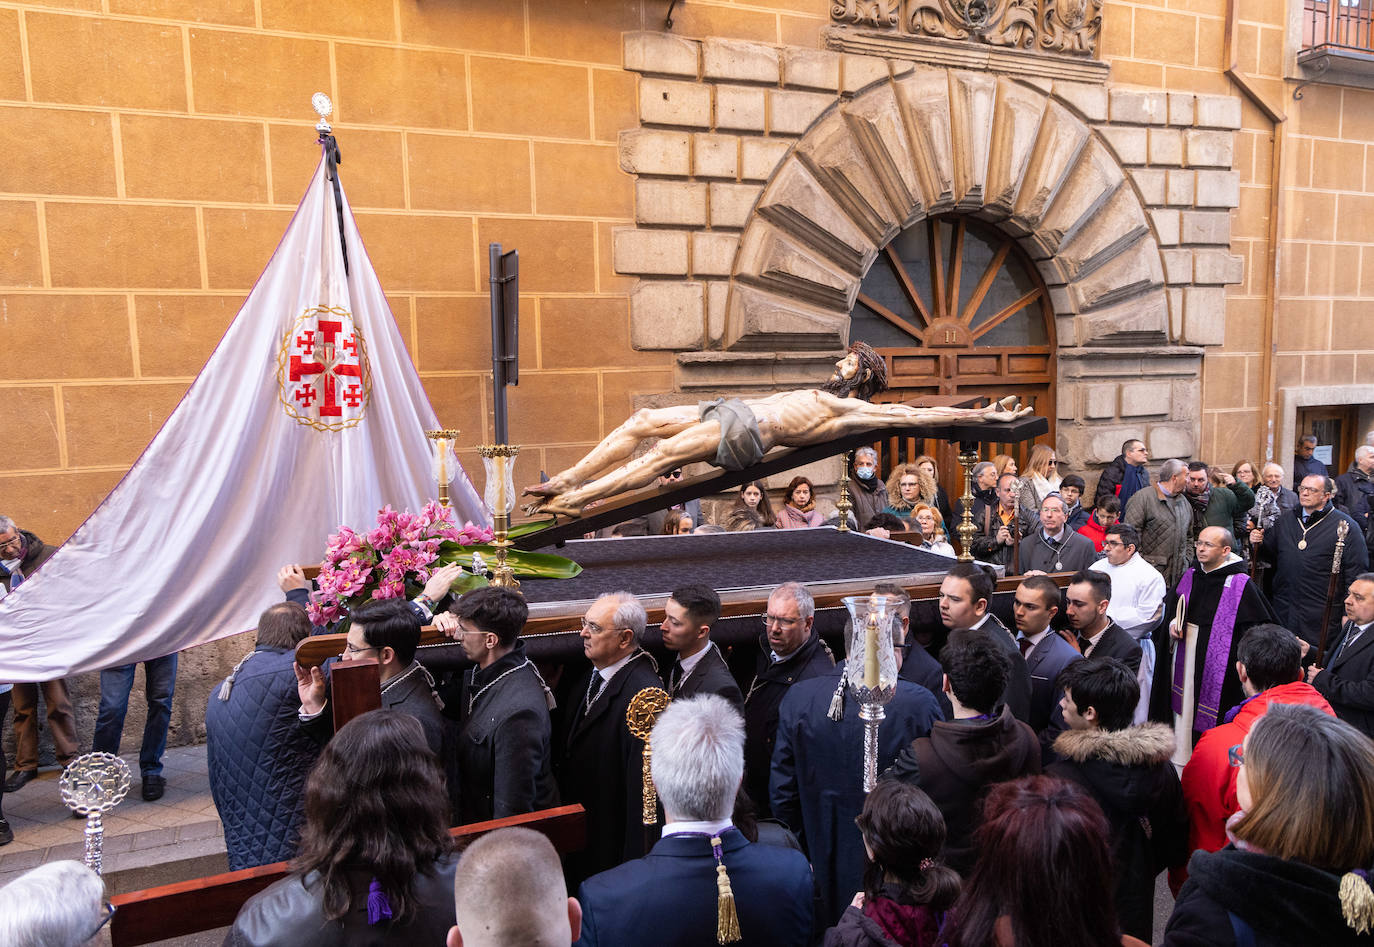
(93,784)
(871,667)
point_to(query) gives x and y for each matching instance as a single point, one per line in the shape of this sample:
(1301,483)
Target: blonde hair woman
(907,485)
(933,538)
(1042,476)
(1303,840)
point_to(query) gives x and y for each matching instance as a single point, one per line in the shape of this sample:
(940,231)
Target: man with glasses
(388,632)
(789,651)
(21,554)
(1164,520)
(1302,545)
(599,762)
(1054,547)
(505,740)
(1126,474)
(1220,605)
(1137,600)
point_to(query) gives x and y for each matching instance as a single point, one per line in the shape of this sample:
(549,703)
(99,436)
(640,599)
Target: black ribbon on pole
(333,159)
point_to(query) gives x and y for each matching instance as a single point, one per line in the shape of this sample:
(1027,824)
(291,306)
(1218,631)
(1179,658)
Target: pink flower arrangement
(392,560)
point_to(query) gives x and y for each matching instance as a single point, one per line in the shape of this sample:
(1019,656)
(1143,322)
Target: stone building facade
(696,206)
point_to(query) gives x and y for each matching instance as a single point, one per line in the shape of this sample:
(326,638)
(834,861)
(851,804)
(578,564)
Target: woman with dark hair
(800,510)
(1044,872)
(906,891)
(1302,845)
(753,500)
(376,861)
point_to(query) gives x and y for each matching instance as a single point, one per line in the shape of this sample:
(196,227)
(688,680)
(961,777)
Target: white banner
(308,415)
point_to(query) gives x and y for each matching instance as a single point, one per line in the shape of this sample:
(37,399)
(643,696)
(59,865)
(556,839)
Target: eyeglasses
(1054,463)
(1112,544)
(779,620)
(1311,489)
(596,629)
(673,475)
(348,646)
(109,910)
(15,540)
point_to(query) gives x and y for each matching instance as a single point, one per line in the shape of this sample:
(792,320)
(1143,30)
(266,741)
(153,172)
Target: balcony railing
(1338,24)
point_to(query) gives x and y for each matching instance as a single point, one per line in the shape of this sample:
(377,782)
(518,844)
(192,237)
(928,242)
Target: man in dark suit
(1347,681)
(965,602)
(600,765)
(505,743)
(388,630)
(688,616)
(789,651)
(671,897)
(1086,600)
(917,665)
(1046,653)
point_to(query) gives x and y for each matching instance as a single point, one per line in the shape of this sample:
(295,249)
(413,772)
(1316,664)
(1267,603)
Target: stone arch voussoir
(935,141)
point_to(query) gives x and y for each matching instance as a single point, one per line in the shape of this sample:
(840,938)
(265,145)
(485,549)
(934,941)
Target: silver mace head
(324,108)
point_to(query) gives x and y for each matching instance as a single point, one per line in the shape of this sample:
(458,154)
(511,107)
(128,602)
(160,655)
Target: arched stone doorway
(956,308)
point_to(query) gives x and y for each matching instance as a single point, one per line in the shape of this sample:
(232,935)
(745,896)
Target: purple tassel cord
(378,907)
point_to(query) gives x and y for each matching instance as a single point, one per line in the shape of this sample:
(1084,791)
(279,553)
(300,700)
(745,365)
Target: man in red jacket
(1269,663)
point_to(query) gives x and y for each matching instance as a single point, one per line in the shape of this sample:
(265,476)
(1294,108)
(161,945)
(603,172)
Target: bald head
(509,889)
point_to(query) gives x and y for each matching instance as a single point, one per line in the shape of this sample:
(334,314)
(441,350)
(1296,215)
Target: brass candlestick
(640,716)
(968,456)
(443,447)
(844,506)
(498,459)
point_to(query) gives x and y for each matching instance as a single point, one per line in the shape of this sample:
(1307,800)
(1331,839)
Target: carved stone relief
(1053,26)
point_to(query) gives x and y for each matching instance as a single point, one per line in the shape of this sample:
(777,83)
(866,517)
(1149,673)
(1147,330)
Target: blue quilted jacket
(259,756)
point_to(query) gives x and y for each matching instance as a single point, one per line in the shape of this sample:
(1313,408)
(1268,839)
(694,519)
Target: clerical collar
(609,672)
(688,663)
(716,827)
(1229,560)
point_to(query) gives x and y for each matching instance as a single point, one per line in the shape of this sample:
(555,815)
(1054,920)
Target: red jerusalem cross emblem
(322,369)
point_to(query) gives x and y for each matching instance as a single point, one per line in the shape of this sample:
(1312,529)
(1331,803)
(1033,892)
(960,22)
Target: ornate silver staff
(871,668)
(92,784)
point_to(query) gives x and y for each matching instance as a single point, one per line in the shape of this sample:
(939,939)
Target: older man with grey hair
(789,651)
(867,490)
(598,761)
(60,904)
(1162,516)
(703,879)
(1355,487)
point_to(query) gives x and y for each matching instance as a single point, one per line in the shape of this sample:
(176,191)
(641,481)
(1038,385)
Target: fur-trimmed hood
(1135,746)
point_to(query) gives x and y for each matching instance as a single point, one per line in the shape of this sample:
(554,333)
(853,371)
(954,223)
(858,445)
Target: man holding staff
(1302,544)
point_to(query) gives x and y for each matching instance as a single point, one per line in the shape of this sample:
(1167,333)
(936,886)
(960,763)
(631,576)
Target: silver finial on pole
(324,108)
(93,784)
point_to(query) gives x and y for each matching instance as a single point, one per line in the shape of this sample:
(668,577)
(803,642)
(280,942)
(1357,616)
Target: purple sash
(1216,660)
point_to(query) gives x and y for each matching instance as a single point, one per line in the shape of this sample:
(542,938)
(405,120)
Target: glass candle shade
(871,661)
(499,462)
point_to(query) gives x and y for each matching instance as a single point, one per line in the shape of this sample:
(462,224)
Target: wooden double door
(956,308)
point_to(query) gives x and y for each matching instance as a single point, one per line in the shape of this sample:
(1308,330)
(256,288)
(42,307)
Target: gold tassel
(727,920)
(1357,902)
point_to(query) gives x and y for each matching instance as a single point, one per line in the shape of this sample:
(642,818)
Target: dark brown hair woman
(376,860)
(1044,872)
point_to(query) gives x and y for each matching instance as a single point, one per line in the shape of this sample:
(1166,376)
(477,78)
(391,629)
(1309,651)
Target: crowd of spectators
(1036,779)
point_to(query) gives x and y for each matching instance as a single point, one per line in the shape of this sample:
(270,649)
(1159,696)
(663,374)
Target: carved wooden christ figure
(736,433)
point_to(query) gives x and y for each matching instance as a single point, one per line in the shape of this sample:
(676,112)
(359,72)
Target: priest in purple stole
(1217,603)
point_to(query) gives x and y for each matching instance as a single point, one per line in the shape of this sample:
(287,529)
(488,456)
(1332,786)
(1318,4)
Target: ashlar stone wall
(767,179)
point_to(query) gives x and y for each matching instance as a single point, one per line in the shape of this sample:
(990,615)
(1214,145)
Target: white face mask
(864,473)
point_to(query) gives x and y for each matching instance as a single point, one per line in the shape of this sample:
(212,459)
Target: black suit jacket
(1348,680)
(1116,642)
(708,676)
(601,766)
(1017,696)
